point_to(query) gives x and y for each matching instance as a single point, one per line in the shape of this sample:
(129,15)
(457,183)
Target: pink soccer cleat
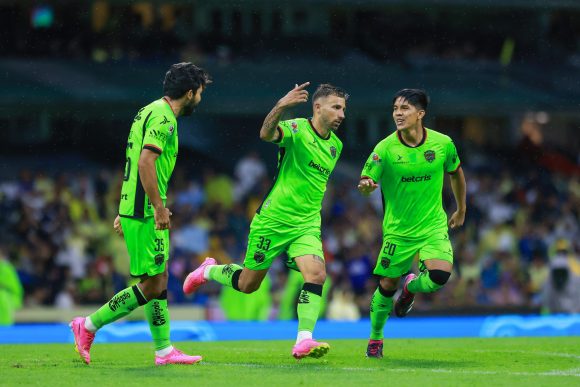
(83,338)
(176,357)
(195,279)
(310,348)
(405,302)
(375,348)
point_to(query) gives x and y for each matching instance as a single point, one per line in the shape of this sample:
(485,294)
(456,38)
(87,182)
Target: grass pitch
(423,362)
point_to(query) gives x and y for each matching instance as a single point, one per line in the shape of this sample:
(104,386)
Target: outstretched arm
(294,97)
(366,185)
(459,188)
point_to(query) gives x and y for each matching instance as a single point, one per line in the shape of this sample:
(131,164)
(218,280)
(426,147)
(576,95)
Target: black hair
(183,77)
(326,89)
(415,97)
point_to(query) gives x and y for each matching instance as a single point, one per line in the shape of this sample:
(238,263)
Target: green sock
(423,284)
(308,307)
(158,317)
(224,274)
(119,306)
(381,308)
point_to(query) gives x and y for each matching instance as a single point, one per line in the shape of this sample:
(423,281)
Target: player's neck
(319,128)
(174,105)
(413,135)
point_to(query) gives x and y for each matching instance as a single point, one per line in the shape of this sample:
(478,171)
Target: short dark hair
(183,77)
(326,89)
(415,97)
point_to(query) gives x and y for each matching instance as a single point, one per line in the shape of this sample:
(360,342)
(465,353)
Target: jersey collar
(318,134)
(416,146)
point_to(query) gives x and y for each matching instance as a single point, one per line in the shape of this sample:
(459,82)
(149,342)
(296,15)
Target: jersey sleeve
(452,162)
(374,166)
(158,129)
(286,131)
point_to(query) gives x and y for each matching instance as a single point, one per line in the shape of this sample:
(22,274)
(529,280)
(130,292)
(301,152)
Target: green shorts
(268,239)
(397,254)
(148,247)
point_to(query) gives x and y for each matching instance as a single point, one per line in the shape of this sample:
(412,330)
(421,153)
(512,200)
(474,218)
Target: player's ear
(190,94)
(421,114)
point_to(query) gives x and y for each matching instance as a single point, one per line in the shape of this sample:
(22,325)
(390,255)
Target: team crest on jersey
(294,127)
(429,155)
(333,152)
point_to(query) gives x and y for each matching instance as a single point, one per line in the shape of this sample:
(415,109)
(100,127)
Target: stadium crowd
(518,249)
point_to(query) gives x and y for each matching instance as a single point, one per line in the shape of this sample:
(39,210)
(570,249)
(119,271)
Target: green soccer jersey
(305,162)
(411,180)
(154,128)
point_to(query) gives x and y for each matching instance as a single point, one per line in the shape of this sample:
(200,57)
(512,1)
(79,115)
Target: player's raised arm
(297,95)
(459,187)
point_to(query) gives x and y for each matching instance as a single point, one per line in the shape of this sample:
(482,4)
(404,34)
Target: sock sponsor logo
(158,318)
(303,298)
(228,271)
(415,179)
(118,300)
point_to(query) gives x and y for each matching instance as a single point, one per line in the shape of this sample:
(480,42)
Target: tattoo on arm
(319,259)
(268,130)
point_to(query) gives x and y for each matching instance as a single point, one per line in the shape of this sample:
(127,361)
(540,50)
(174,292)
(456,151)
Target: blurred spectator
(248,171)
(562,290)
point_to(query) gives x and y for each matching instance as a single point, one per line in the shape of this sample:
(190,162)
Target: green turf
(418,363)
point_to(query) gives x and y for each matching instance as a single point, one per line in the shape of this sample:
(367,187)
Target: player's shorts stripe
(139,208)
(282,152)
(153,148)
(281,135)
(455,171)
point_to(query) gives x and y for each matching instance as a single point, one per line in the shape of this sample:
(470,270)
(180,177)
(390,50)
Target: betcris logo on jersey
(320,168)
(415,179)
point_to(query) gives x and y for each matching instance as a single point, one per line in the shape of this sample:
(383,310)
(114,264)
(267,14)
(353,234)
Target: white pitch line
(573,372)
(555,354)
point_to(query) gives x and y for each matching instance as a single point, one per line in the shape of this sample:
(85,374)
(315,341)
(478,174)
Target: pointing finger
(302,86)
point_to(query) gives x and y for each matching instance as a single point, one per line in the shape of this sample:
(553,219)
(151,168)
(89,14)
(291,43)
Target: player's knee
(248,287)
(389,284)
(316,277)
(440,277)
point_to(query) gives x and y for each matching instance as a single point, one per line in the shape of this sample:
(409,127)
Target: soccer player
(409,165)
(143,216)
(288,220)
